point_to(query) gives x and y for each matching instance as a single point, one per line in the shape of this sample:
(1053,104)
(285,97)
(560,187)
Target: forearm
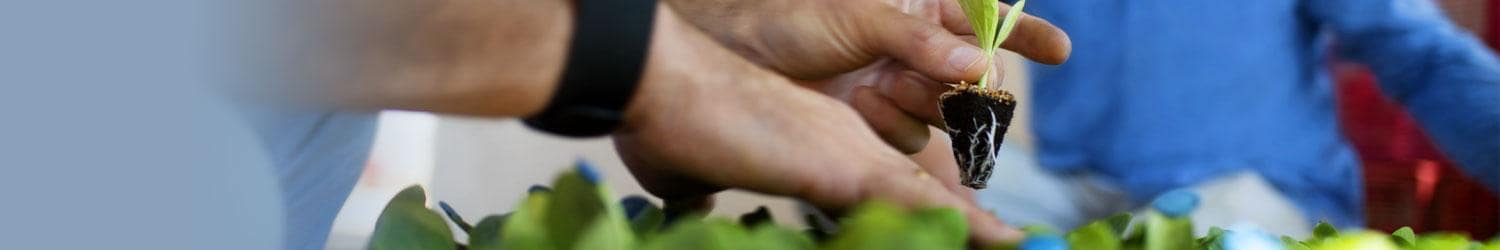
(471,57)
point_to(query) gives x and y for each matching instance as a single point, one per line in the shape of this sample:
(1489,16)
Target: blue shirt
(317,156)
(1162,94)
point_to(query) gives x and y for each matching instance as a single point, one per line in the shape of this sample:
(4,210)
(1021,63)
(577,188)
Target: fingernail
(964,57)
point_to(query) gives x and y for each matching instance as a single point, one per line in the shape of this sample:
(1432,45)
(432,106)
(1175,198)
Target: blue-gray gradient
(110,137)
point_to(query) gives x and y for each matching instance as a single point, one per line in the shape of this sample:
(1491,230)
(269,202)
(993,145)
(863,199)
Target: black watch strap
(605,60)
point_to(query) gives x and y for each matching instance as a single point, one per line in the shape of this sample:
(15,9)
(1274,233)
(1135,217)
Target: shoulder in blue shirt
(1164,94)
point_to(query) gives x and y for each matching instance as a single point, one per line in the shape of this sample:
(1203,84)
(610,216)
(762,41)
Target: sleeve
(1444,76)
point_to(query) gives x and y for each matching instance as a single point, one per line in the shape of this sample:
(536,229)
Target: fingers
(915,94)
(1033,37)
(938,160)
(656,176)
(926,47)
(703,203)
(907,134)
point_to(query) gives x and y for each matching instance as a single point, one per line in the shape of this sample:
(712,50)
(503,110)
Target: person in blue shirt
(1170,94)
(712,110)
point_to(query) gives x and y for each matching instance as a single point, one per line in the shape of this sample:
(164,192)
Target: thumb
(924,46)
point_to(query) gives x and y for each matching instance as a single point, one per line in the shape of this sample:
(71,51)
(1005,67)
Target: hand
(704,119)
(899,51)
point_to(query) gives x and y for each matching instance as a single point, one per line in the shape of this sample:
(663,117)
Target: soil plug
(977,116)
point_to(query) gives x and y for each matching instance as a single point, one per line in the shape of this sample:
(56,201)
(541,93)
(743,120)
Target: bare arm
(702,119)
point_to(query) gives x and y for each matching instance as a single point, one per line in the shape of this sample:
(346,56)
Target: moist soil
(976,119)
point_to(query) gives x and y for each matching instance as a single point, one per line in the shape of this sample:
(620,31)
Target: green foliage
(1404,237)
(486,234)
(580,209)
(1293,244)
(1099,235)
(1356,241)
(1119,222)
(984,16)
(1323,231)
(1443,241)
(880,225)
(407,223)
(645,224)
(578,213)
(1011,17)
(1166,233)
(1212,241)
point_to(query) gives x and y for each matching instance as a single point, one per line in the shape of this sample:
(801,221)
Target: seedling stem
(982,14)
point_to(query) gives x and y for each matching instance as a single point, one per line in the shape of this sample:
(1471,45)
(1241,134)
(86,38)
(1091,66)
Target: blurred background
(482,166)
(1415,183)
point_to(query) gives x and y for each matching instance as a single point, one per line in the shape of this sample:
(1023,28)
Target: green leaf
(487,234)
(648,222)
(1163,233)
(1443,241)
(1357,241)
(984,17)
(1039,229)
(606,233)
(1212,241)
(872,226)
(770,236)
(880,225)
(711,234)
(1009,24)
(523,228)
(1404,237)
(1324,230)
(578,203)
(946,227)
(1119,222)
(407,223)
(453,215)
(1135,238)
(1293,244)
(1099,235)
(1494,244)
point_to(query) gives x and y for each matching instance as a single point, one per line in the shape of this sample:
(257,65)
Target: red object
(1408,181)
(1494,24)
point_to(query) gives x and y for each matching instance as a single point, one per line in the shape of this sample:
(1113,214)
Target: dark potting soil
(977,119)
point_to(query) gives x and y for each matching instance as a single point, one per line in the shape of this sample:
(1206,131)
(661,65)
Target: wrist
(684,67)
(600,79)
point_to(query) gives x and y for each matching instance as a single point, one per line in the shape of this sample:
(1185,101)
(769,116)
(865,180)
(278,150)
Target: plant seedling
(977,116)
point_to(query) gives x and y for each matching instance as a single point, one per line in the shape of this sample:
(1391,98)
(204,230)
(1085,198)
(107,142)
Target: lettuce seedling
(977,116)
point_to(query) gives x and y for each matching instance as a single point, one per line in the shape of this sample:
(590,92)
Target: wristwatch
(605,60)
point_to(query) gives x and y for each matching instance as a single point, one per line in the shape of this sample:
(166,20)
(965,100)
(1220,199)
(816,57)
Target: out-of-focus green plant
(578,213)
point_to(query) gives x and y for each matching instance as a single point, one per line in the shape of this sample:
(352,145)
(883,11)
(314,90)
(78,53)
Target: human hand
(704,120)
(887,58)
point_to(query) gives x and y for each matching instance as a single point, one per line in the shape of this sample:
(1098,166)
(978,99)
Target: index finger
(1033,37)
